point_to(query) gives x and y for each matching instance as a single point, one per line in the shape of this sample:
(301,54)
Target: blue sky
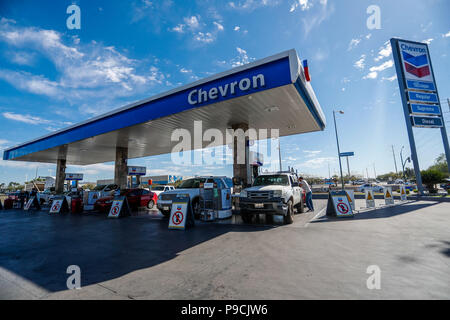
(52,77)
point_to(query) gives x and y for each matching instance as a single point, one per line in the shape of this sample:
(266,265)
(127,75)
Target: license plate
(259,205)
(166,208)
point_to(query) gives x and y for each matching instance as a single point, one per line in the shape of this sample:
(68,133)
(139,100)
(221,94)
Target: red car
(136,198)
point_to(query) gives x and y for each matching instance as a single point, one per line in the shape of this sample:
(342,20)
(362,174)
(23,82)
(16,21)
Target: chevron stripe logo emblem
(416,65)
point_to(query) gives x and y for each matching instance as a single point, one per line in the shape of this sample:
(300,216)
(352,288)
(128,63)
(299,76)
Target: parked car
(67,194)
(160,189)
(372,186)
(45,196)
(445,186)
(136,198)
(189,187)
(273,194)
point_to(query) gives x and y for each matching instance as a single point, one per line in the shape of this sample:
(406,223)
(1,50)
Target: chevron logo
(416,65)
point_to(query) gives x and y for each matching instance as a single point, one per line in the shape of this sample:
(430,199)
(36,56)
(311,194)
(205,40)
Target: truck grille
(168,196)
(263,195)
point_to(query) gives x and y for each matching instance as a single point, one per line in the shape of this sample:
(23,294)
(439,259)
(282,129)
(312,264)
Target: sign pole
(443,129)
(403,93)
(339,151)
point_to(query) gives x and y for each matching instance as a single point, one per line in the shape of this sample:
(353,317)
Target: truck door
(296,190)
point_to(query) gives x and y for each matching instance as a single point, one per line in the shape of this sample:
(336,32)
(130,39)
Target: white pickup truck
(189,187)
(273,194)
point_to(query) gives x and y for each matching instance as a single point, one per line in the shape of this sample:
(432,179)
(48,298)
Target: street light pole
(395,161)
(339,150)
(401,159)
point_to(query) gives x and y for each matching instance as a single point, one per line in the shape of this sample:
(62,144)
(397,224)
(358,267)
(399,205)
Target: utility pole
(279,153)
(395,161)
(329,172)
(374,171)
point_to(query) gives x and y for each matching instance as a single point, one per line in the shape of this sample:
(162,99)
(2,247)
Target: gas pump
(256,162)
(76,197)
(72,180)
(215,201)
(134,176)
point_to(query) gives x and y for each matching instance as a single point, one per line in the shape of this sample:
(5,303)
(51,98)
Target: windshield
(192,183)
(99,188)
(158,188)
(280,180)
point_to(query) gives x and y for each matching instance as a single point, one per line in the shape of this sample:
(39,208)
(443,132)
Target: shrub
(431,177)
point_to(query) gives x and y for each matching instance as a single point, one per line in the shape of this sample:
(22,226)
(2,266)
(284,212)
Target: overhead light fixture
(272,109)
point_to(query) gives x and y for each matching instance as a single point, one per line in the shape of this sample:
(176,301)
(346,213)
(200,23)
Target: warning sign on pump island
(339,205)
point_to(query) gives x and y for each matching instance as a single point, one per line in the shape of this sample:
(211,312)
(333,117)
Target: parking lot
(315,257)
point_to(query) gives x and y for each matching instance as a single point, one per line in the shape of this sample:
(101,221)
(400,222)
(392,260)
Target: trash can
(77,205)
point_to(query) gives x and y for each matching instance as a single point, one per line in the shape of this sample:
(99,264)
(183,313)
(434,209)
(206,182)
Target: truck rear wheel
(300,207)
(289,217)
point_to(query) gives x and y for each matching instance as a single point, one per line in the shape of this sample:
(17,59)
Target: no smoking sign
(342,208)
(116,207)
(177,218)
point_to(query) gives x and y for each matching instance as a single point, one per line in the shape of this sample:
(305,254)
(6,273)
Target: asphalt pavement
(316,257)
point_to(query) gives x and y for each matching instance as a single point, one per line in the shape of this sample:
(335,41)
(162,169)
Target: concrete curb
(324,196)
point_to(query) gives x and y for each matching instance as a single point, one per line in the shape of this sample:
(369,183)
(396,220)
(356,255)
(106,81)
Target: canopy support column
(61,170)
(121,167)
(241,154)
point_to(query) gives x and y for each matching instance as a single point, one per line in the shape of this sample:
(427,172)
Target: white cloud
(316,18)
(376,69)
(353,44)
(394,77)
(204,37)
(26,118)
(428,41)
(250,5)
(192,22)
(371,75)
(302,4)
(317,163)
(312,153)
(184,70)
(237,28)
(384,52)
(241,59)
(219,26)
(386,65)
(90,72)
(179,28)
(22,58)
(446,35)
(360,64)
(4,143)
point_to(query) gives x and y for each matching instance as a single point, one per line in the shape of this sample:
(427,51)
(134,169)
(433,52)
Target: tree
(386,176)
(440,164)
(88,186)
(431,177)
